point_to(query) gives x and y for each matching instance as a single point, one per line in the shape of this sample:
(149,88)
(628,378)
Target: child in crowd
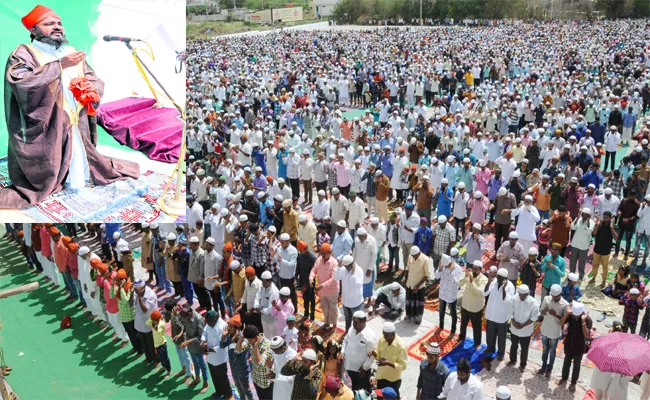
(290,333)
(632,306)
(323,237)
(159,341)
(543,239)
(304,335)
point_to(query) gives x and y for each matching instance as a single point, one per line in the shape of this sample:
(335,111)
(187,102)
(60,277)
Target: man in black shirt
(304,264)
(626,221)
(251,207)
(605,232)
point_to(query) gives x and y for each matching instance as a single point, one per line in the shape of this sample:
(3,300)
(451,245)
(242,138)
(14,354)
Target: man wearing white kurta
(282,354)
(365,255)
(528,219)
(523,311)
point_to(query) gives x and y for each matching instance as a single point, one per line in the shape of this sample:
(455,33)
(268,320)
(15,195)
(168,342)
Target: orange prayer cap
(21,233)
(326,248)
(156,315)
(302,245)
(54,231)
(121,274)
(38,14)
(227,246)
(269,179)
(66,322)
(72,247)
(250,271)
(414,168)
(509,154)
(102,268)
(95,262)
(402,149)
(236,321)
(66,240)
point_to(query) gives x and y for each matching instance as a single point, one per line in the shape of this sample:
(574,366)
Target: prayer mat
(536,343)
(465,350)
(318,311)
(129,200)
(527,385)
(418,350)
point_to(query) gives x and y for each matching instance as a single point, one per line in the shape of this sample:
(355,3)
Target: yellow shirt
(417,270)
(158,333)
(473,300)
(237,286)
(395,353)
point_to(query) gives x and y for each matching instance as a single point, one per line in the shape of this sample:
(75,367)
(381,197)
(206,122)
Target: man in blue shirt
(592,176)
(266,206)
(598,131)
(342,244)
(387,140)
(553,268)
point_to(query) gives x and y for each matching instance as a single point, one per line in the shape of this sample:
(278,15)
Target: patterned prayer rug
(527,385)
(130,200)
(441,336)
(536,343)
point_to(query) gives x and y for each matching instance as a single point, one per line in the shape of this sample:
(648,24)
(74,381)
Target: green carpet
(76,363)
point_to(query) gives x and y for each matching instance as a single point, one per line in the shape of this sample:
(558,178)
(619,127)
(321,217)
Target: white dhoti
(627,135)
(114,320)
(269,328)
(90,305)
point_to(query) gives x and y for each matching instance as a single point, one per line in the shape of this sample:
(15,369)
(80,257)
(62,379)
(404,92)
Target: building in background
(323,8)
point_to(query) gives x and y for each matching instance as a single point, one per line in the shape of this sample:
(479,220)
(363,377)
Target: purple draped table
(133,122)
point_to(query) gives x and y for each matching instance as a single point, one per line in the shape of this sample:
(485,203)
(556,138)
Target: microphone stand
(170,204)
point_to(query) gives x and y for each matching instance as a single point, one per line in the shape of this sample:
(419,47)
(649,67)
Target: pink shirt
(73,263)
(482,179)
(324,271)
(111,304)
(281,315)
(46,242)
(342,173)
(478,209)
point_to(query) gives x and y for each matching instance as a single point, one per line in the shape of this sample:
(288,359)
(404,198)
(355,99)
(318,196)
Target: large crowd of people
(516,130)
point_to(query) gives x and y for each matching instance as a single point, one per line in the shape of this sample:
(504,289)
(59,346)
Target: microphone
(109,38)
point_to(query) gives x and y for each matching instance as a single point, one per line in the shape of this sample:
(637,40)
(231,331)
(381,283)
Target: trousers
(496,331)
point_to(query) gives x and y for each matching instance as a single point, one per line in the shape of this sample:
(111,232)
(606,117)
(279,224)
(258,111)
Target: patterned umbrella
(622,353)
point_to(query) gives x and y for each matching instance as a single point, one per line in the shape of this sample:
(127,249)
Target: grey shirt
(504,202)
(196,273)
(193,330)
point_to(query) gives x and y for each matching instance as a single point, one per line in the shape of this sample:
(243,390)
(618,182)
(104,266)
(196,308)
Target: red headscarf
(38,14)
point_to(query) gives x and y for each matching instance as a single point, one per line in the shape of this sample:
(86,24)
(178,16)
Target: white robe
(283,386)
(398,166)
(526,223)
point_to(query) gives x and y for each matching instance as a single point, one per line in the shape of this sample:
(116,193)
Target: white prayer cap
(302,218)
(556,289)
(210,240)
(359,314)
(502,272)
(335,191)
(171,236)
(102,226)
(577,308)
(517,174)
(272,229)
(461,185)
(395,286)
(243,218)
(444,180)
(573,277)
(634,291)
(234,264)
(477,226)
(139,283)
(266,275)
(434,348)
(609,191)
(415,250)
(493,269)
(347,260)
(361,232)
(503,191)
(446,260)
(591,186)
(285,291)
(453,252)
(322,193)
(116,235)
(528,198)
(309,354)
(145,225)
(477,264)
(154,226)
(388,327)
(342,224)
(532,251)
(83,250)
(503,393)
(478,194)
(285,236)
(523,289)
(513,235)
(442,219)
(374,220)
(261,194)
(223,212)
(277,342)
